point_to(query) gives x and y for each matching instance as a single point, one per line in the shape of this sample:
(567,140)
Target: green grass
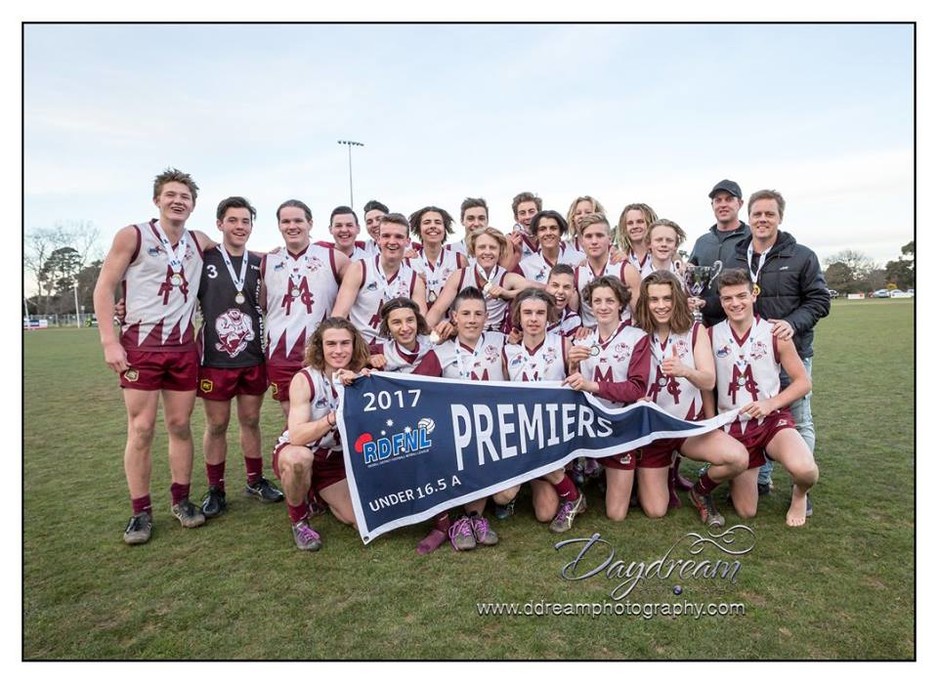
(840,588)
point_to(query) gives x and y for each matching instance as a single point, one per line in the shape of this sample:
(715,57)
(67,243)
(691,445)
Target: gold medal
(756,289)
(239,298)
(175,280)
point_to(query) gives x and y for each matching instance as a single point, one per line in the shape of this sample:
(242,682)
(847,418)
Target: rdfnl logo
(408,442)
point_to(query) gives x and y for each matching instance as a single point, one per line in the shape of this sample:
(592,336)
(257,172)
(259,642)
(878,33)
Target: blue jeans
(804,422)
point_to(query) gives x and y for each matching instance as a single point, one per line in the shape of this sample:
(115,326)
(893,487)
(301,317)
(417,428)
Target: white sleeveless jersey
(584,275)
(375,290)
(484,362)
(573,252)
(568,323)
(370,248)
(323,399)
(301,292)
(546,362)
(609,359)
(160,304)
(747,367)
(678,396)
(496,308)
(643,266)
(459,246)
(397,359)
(537,268)
(435,274)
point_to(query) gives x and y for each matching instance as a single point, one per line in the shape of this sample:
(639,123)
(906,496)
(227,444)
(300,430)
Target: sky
(623,112)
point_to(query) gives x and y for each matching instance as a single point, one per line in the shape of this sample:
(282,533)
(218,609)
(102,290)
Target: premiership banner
(416,446)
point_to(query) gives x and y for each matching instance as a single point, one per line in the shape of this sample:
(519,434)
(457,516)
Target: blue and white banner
(416,446)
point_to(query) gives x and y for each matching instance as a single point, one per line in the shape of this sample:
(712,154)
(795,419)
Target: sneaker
(138,529)
(214,502)
(306,538)
(460,534)
(707,509)
(263,490)
(188,514)
(483,534)
(506,511)
(765,488)
(563,521)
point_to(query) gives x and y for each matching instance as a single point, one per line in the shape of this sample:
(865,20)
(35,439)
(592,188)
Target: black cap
(729,186)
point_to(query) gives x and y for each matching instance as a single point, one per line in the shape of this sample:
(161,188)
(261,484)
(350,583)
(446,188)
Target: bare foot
(797,512)
(431,542)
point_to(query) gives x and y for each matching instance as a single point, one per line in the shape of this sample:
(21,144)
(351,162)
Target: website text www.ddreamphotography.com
(683,565)
(646,610)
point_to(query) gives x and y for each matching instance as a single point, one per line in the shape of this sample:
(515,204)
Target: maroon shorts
(176,370)
(328,467)
(626,461)
(757,436)
(658,453)
(279,377)
(224,384)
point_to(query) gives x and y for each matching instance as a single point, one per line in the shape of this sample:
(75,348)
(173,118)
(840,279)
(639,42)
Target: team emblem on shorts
(206,385)
(131,375)
(626,459)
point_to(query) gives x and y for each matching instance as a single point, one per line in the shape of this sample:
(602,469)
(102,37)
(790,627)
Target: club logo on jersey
(411,441)
(154,251)
(279,266)
(515,361)
(206,386)
(759,350)
(723,352)
(131,375)
(490,352)
(235,331)
(321,403)
(372,286)
(681,348)
(621,352)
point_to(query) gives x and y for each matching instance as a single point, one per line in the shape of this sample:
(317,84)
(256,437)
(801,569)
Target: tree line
(61,260)
(850,271)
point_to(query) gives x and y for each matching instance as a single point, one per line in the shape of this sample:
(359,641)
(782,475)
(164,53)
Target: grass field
(840,588)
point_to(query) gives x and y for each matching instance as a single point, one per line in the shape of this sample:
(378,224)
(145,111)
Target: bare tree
(80,237)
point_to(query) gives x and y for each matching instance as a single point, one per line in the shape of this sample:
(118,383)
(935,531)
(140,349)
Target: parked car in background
(881,293)
(833,293)
(899,294)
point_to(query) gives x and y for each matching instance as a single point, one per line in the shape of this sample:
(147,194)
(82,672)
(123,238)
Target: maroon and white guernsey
(376,289)
(545,362)
(397,358)
(301,292)
(160,289)
(496,308)
(323,398)
(747,367)
(453,359)
(678,396)
(620,364)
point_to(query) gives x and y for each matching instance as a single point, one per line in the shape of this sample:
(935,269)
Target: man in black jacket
(791,294)
(719,243)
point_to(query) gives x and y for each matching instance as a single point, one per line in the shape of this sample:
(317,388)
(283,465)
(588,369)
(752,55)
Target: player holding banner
(475,354)
(614,365)
(308,457)
(748,361)
(541,356)
(681,368)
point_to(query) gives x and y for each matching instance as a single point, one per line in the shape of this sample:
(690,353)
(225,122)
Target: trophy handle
(717,268)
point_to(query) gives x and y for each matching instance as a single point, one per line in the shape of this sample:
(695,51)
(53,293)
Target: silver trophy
(697,279)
